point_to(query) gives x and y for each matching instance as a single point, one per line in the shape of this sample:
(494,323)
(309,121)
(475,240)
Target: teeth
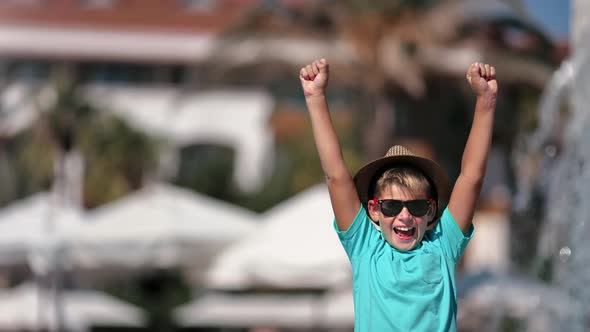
(404,229)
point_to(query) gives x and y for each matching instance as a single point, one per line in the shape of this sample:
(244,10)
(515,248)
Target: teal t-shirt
(404,291)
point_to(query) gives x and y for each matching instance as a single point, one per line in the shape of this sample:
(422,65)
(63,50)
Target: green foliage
(158,292)
(510,324)
(117,157)
(27,166)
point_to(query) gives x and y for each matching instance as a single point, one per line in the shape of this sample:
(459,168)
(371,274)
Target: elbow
(475,181)
(474,177)
(475,173)
(336,178)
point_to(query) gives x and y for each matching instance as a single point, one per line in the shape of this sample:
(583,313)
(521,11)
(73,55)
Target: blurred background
(158,170)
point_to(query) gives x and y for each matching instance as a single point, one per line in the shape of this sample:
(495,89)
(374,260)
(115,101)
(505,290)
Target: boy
(403,273)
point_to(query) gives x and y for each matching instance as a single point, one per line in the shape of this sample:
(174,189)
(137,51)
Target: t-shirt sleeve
(452,238)
(356,237)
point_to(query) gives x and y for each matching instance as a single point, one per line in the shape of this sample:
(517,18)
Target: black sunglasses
(392,207)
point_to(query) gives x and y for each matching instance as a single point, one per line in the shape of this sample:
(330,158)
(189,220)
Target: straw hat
(396,156)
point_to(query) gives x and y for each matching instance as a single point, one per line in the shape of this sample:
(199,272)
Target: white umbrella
(159,226)
(247,310)
(295,310)
(81,310)
(33,225)
(338,306)
(296,247)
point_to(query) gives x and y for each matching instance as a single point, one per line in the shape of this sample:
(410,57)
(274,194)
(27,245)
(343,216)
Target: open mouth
(404,233)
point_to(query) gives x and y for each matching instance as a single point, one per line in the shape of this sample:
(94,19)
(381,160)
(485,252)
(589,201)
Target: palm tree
(388,47)
(110,157)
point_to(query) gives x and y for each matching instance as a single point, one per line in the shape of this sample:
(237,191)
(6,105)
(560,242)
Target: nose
(404,214)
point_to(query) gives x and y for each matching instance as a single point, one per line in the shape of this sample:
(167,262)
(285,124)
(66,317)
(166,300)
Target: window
(25,69)
(98,4)
(130,73)
(206,168)
(199,5)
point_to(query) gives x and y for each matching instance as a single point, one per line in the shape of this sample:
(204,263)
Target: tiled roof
(151,15)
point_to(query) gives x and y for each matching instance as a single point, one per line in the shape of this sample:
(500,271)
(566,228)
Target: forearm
(466,191)
(475,155)
(345,202)
(326,140)
(473,165)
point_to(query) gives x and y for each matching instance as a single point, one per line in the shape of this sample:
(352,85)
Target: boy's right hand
(314,78)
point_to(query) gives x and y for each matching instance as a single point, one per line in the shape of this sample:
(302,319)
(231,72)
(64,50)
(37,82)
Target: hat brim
(368,174)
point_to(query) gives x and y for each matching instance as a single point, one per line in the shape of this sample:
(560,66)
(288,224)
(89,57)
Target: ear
(374,210)
(430,217)
(432,210)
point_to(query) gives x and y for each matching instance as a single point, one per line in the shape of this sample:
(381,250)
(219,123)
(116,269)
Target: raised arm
(345,201)
(465,195)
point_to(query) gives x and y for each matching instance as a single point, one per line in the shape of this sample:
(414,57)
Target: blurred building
(142,56)
(157,37)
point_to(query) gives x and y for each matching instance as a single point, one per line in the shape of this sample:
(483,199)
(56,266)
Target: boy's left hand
(482,78)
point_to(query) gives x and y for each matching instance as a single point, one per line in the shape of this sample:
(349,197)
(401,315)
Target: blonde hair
(407,178)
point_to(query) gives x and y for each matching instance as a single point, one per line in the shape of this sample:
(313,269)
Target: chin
(404,243)
(403,246)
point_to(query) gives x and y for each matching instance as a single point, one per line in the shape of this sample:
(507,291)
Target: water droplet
(551,151)
(565,253)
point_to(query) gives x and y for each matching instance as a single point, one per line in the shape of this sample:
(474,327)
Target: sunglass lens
(417,208)
(391,207)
